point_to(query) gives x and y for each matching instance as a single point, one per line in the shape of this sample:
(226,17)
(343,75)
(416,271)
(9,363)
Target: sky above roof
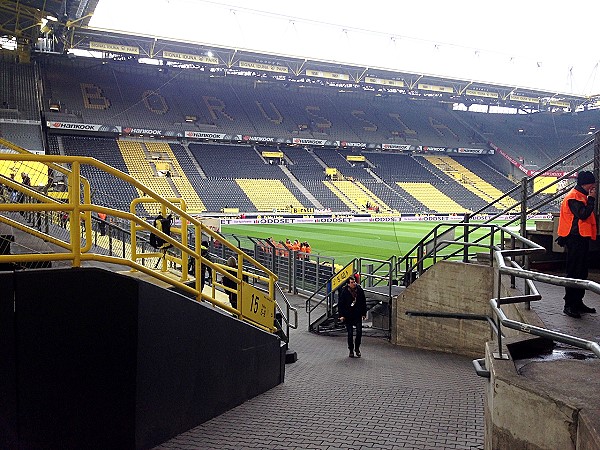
(532,44)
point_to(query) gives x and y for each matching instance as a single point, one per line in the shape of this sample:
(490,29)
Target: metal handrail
(286,316)
(500,254)
(80,207)
(519,272)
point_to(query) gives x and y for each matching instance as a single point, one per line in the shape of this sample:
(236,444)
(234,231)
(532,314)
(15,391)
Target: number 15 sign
(257,306)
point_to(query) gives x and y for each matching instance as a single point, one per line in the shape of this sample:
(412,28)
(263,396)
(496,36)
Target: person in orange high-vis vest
(307,249)
(296,246)
(576,227)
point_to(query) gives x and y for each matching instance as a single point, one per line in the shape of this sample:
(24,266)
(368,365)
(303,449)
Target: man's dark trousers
(358,325)
(577,255)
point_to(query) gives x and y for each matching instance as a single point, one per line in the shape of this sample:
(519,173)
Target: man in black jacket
(352,308)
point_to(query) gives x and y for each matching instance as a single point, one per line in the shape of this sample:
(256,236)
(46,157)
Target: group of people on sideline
(283,248)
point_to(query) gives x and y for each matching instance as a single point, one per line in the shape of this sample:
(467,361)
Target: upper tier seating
(120,93)
(544,136)
(18,94)
(117,93)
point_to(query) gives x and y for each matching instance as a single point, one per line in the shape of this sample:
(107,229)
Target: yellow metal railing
(254,305)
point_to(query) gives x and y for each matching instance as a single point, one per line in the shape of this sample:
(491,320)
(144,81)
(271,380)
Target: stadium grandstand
(156,139)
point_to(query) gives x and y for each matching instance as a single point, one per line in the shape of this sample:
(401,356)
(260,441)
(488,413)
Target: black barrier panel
(76,358)
(195,363)
(100,360)
(5,241)
(8,376)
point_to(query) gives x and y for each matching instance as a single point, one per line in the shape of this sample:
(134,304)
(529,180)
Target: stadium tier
(128,95)
(273,146)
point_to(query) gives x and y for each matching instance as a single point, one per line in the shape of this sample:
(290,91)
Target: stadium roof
(22,18)
(533,45)
(406,60)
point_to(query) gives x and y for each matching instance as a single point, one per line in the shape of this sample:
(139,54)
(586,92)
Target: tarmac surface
(391,398)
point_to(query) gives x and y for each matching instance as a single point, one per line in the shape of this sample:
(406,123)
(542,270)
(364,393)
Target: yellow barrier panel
(342,276)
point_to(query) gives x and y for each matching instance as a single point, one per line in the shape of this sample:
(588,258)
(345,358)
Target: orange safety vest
(587,227)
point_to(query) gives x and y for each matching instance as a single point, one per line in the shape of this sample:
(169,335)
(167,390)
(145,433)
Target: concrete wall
(544,404)
(450,287)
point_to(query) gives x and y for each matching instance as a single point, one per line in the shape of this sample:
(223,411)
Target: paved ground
(391,398)
(551,306)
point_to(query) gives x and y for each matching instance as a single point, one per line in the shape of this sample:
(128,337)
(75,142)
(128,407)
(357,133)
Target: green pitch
(344,241)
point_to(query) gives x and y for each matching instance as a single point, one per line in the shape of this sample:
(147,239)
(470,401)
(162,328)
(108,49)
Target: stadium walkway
(391,398)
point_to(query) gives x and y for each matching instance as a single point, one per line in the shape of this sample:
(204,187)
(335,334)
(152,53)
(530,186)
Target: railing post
(524,207)
(499,328)
(492,240)
(466,235)
(75,219)
(293,285)
(110,239)
(524,187)
(122,233)
(370,272)
(498,321)
(290,267)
